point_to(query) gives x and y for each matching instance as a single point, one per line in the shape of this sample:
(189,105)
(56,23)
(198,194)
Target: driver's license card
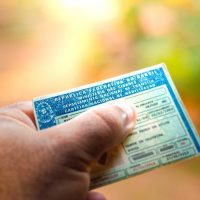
(163,134)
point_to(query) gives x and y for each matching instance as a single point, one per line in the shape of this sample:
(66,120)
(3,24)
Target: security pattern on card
(163,134)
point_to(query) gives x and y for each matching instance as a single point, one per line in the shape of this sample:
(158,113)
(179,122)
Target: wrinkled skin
(55,163)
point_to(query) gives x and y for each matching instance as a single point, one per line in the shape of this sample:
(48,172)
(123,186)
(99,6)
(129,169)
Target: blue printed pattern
(47,109)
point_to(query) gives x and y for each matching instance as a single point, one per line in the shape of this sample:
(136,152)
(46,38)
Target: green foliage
(179,49)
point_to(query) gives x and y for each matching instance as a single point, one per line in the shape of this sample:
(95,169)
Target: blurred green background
(47,46)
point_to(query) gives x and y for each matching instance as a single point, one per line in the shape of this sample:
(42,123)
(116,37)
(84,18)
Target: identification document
(163,134)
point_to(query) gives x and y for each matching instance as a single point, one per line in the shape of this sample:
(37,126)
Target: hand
(55,163)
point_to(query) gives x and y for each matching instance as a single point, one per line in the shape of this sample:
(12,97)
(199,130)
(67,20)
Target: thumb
(94,131)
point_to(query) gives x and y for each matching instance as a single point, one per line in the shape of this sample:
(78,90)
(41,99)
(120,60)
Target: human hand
(55,163)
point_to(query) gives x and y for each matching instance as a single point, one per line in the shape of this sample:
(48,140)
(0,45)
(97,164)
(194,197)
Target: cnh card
(163,134)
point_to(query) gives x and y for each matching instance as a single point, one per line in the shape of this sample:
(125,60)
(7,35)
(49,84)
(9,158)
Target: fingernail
(129,115)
